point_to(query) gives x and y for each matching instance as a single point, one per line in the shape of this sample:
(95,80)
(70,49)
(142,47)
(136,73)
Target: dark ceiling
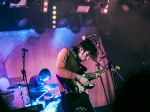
(124,31)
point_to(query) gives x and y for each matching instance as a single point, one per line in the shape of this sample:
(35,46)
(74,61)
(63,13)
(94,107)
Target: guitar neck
(92,75)
(101,71)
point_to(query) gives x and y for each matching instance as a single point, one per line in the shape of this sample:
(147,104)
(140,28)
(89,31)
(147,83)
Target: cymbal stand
(37,100)
(21,94)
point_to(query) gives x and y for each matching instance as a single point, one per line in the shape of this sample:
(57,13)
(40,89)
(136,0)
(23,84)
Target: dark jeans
(69,105)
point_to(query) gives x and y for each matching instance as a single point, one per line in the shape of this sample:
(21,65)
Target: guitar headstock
(115,68)
(112,67)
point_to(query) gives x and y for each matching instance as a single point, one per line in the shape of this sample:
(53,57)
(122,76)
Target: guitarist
(67,67)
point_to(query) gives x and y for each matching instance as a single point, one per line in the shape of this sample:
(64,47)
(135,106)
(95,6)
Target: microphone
(25,50)
(90,36)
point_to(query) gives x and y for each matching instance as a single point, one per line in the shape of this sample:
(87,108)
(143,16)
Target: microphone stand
(98,64)
(112,74)
(24,74)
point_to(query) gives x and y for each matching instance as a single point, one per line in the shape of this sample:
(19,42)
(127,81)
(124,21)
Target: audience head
(134,95)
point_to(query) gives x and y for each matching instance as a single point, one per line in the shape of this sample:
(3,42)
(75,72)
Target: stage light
(140,3)
(104,10)
(54,7)
(54,17)
(3,2)
(74,24)
(62,22)
(83,9)
(21,17)
(54,26)
(87,20)
(38,23)
(17,3)
(54,12)
(23,22)
(103,3)
(54,21)
(44,5)
(82,6)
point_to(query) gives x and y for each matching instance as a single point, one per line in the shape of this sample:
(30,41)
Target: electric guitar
(74,88)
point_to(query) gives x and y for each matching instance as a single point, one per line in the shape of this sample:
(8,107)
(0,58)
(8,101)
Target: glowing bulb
(54,7)
(54,12)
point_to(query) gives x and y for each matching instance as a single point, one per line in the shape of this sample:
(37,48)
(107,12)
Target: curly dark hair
(87,45)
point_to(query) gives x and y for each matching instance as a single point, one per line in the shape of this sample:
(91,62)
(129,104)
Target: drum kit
(54,100)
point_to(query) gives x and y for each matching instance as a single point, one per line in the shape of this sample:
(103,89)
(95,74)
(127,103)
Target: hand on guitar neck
(85,79)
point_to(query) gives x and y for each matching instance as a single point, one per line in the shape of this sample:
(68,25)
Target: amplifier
(34,108)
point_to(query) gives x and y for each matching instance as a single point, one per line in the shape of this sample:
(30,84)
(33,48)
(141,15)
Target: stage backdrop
(42,53)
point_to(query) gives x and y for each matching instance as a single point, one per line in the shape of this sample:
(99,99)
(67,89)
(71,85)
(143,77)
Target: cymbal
(17,86)
(44,88)
(7,93)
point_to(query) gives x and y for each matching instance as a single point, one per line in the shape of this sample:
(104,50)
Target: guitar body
(70,86)
(73,87)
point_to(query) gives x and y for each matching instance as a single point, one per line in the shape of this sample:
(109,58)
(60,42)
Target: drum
(57,97)
(55,105)
(37,103)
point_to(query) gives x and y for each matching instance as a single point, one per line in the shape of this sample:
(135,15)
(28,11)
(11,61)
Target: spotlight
(54,26)
(54,21)
(54,17)
(17,3)
(83,6)
(54,12)
(140,3)
(44,6)
(83,9)
(62,22)
(87,20)
(103,3)
(14,1)
(38,23)
(74,24)
(2,2)
(22,22)
(21,17)
(54,7)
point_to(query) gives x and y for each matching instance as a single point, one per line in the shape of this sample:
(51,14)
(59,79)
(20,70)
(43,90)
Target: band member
(67,67)
(38,81)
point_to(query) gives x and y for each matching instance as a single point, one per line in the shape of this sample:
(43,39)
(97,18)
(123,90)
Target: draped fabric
(42,53)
